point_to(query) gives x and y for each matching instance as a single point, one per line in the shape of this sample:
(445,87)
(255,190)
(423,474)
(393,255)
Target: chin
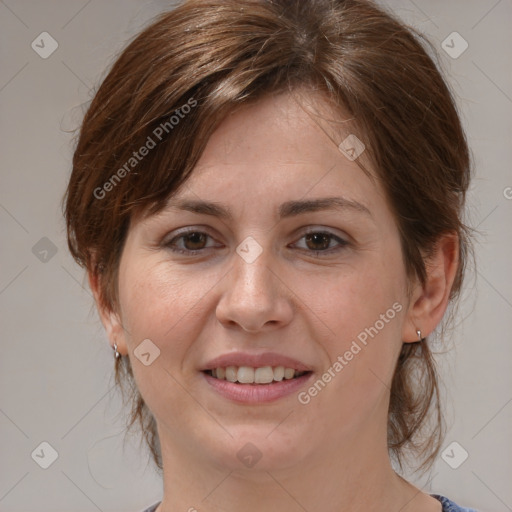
(257,449)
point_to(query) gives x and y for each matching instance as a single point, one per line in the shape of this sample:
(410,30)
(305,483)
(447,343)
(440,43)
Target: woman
(267,197)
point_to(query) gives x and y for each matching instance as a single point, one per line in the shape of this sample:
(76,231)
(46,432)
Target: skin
(330,454)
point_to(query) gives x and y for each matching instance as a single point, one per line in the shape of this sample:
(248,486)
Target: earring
(418,332)
(117,355)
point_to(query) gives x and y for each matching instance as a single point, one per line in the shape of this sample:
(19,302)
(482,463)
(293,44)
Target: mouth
(250,375)
(256,385)
(253,379)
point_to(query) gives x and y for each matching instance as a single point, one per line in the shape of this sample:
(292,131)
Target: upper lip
(255,361)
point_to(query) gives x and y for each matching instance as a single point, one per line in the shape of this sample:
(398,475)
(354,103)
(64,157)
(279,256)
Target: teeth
(248,375)
(289,373)
(231,373)
(245,375)
(279,373)
(263,375)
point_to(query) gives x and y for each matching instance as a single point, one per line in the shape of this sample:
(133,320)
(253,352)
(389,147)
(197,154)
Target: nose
(254,296)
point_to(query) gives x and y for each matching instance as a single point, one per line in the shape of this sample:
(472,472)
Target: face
(247,269)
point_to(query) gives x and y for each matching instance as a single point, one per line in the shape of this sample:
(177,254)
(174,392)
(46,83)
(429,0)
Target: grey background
(55,363)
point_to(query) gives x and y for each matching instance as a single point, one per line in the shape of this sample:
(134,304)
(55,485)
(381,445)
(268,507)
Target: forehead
(283,146)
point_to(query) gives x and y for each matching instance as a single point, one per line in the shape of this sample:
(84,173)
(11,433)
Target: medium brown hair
(214,55)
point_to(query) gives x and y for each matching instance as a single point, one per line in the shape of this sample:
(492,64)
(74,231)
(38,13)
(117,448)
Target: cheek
(354,301)
(157,301)
(364,310)
(160,305)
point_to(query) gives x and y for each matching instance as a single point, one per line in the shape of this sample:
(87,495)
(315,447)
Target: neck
(355,475)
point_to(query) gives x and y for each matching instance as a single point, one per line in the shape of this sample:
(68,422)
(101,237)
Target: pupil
(318,238)
(195,238)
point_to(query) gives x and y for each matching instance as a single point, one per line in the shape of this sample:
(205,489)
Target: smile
(256,385)
(249,375)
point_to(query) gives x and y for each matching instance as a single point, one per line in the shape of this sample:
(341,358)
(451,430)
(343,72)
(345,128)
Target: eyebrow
(287,209)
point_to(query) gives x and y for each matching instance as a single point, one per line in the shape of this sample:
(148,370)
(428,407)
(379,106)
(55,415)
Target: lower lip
(257,393)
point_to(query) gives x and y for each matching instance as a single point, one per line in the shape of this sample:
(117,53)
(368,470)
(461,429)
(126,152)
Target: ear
(110,319)
(429,302)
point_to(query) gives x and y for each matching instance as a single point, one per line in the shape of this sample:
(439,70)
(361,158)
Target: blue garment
(448,506)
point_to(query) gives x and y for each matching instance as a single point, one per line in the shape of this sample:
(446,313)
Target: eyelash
(171,244)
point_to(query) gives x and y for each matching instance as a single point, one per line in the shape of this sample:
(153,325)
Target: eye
(194,241)
(189,242)
(321,242)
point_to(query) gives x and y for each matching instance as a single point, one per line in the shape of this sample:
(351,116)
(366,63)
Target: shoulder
(450,506)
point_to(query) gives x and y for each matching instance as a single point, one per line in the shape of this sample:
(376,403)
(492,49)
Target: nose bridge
(253,296)
(252,280)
